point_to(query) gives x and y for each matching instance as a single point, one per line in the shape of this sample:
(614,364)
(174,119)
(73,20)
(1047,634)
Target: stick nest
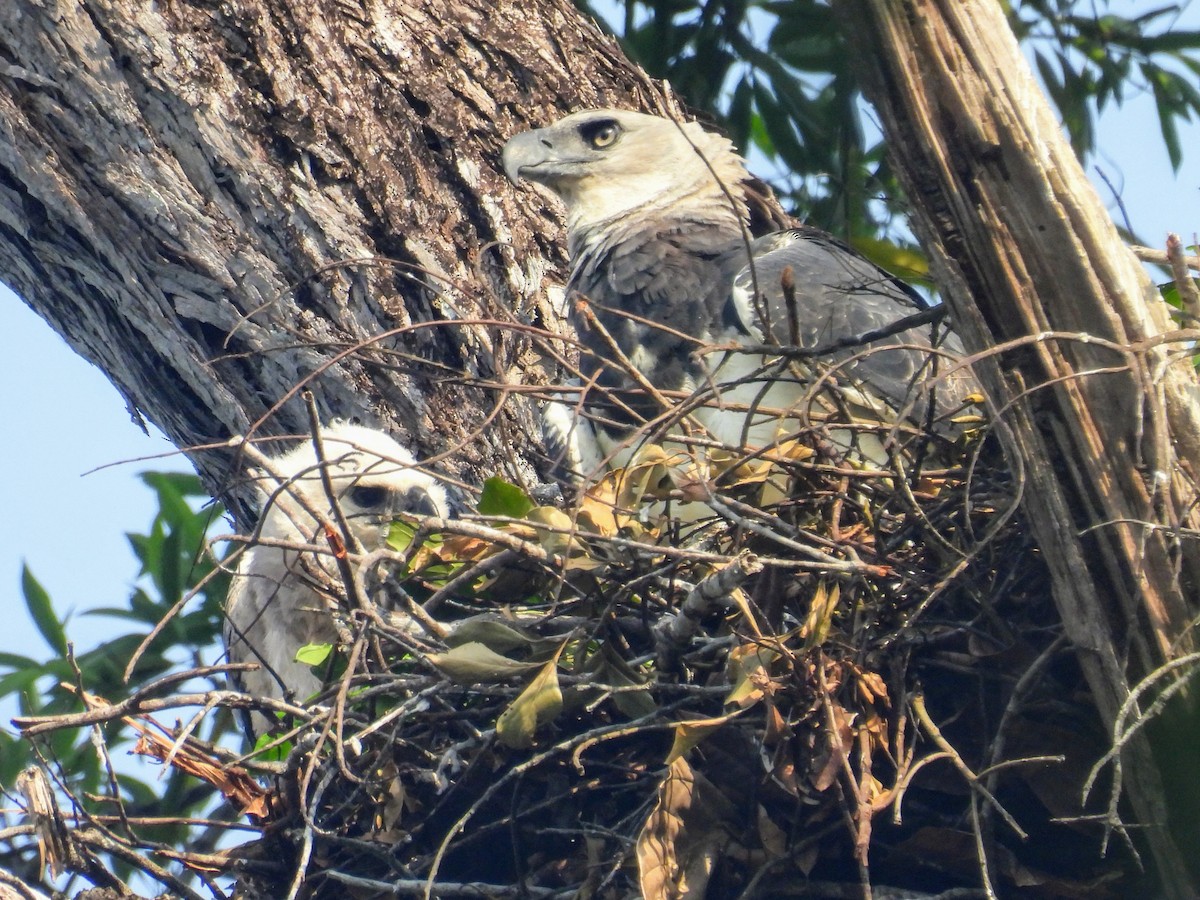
(840,677)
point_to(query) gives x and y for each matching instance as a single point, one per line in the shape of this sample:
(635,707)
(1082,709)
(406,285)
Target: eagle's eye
(601,134)
(367,496)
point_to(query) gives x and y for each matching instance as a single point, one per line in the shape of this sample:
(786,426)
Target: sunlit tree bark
(218,203)
(1099,406)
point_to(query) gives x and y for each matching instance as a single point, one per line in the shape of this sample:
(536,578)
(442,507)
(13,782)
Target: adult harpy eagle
(660,251)
(276,601)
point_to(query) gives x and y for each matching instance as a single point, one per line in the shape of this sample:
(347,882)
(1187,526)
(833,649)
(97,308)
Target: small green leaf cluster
(1089,57)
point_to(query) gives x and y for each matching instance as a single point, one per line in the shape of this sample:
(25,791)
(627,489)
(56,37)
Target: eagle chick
(276,603)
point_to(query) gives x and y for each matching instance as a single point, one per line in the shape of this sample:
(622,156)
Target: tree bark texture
(1101,409)
(213,200)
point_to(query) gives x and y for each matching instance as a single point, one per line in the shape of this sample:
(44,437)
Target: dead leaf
(41,807)
(771,836)
(683,837)
(538,704)
(554,529)
(871,687)
(244,792)
(820,615)
(690,733)
(749,670)
(609,668)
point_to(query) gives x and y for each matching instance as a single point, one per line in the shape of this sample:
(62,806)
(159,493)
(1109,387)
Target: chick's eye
(366,496)
(603,135)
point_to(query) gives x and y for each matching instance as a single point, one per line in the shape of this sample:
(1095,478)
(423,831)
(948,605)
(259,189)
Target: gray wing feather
(841,297)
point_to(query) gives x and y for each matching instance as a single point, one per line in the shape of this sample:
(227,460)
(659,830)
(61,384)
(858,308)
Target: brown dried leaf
(655,474)
(871,687)
(244,792)
(771,836)
(749,671)
(682,838)
(776,726)
(41,807)
(820,615)
(556,532)
(689,734)
(393,804)
(824,775)
(460,548)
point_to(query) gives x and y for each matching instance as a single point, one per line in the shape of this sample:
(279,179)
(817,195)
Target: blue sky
(66,419)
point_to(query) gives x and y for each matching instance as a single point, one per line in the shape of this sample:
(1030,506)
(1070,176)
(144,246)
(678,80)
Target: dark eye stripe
(600,134)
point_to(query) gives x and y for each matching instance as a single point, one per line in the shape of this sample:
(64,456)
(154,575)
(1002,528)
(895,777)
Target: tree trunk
(1101,411)
(219,203)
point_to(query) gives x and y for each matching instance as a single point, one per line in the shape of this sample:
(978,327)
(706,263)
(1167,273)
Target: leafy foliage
(1088,58)
(173,563)
(776,75)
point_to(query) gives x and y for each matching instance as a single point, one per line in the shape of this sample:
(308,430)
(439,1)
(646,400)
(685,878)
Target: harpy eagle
(657,231)
(276,603)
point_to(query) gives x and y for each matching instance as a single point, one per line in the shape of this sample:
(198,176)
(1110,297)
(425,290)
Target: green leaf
(20,681)
(496,635)
(499,498)
(473,663)
(313,654)
(169,577)
(608,667)
(171,488)
(41,610)
(1167,110)
(401,533)
(907,263)
(16,662)
(273,754)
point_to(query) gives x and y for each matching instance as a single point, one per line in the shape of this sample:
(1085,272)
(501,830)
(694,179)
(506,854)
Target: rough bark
(1030,262)
(210,201)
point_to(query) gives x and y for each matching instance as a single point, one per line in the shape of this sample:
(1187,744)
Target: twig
(411,887)
(673,633)
(1160,257)
(20,888)
(918,704)
(95,839)
(131,706)
(1189,297)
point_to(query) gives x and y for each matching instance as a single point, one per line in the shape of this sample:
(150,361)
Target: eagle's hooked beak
(525,151)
